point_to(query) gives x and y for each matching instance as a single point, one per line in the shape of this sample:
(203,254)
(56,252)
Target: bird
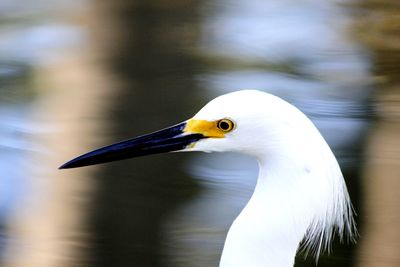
(300,201)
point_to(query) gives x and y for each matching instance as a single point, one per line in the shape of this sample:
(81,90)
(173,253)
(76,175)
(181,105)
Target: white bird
(300,193)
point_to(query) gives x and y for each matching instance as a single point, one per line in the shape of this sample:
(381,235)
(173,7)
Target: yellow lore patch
(206,128)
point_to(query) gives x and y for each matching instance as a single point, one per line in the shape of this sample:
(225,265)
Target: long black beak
(170,139)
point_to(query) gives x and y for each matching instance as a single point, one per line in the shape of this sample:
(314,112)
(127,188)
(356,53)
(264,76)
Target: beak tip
(65,166)
(72,164)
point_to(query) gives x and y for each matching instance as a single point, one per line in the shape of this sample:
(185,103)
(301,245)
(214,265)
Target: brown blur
(49,230)
(378,28)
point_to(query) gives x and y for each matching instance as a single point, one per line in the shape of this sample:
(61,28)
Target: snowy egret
(300,193)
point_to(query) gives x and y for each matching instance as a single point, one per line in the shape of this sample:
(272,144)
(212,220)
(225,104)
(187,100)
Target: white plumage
(300,192)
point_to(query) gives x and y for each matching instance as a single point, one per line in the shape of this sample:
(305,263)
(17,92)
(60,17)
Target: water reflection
(92,73)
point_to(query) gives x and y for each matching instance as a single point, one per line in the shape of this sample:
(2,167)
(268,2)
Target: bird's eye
(225,125)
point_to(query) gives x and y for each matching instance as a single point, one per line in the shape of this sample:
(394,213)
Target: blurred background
(76,75)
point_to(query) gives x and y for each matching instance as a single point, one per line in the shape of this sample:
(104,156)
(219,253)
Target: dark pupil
(224,125)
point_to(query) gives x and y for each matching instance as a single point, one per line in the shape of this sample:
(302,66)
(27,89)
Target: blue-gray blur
(77,75)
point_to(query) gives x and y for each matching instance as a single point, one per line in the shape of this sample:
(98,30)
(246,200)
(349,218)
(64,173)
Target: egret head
(247,121)
(250,122)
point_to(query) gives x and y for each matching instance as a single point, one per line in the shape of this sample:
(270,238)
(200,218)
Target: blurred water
(74,76)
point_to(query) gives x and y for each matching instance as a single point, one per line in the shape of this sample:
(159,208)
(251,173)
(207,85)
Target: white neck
(266,232)
(292,201)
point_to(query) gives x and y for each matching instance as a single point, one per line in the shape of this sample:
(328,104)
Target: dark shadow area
(151,62)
